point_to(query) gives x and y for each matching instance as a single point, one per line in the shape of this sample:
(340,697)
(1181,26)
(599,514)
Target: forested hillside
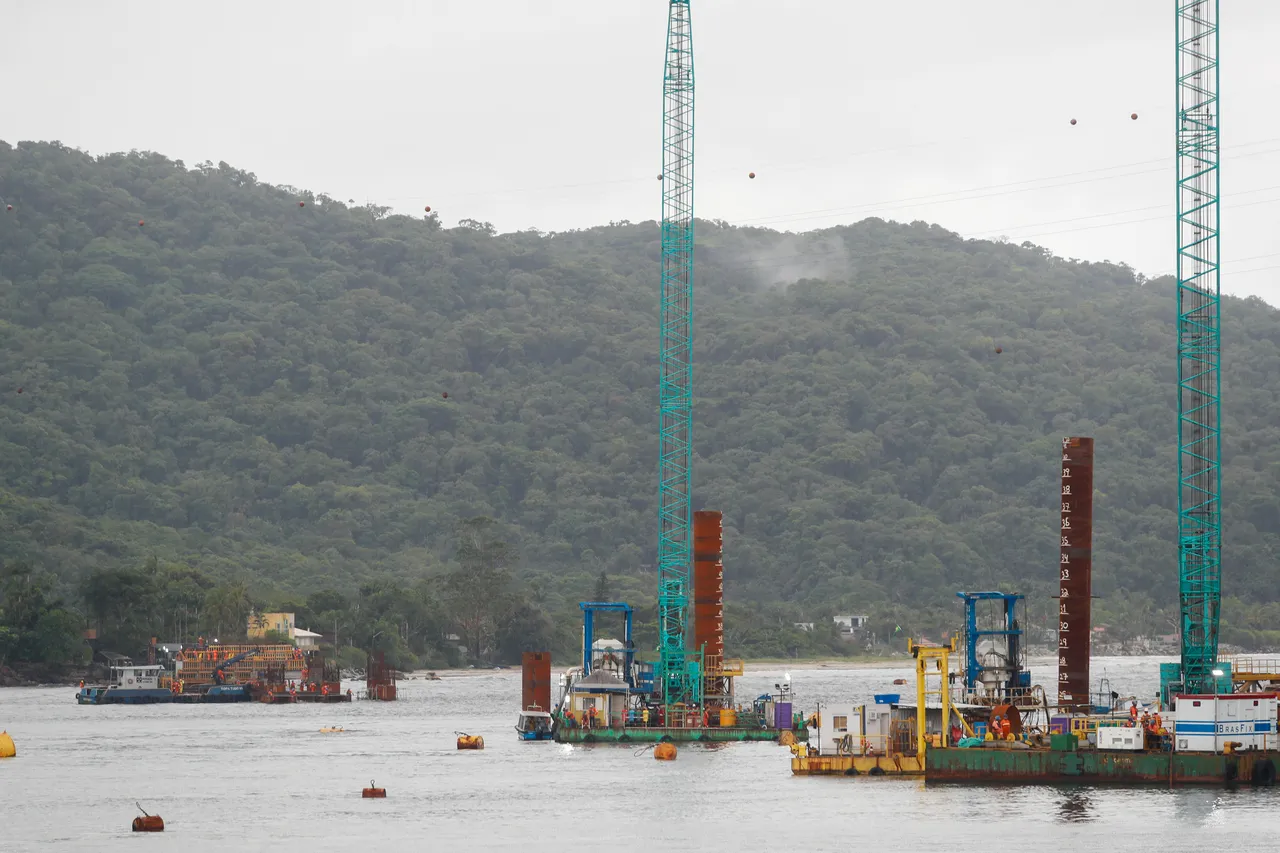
(277,388)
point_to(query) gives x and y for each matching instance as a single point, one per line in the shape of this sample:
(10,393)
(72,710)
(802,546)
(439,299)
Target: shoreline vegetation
(433,442)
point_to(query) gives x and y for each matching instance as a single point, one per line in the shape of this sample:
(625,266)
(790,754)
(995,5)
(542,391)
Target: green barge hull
(652,734)
(1092,767)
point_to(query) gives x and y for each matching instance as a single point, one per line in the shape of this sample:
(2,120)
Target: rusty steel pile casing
(708,582)
(380,679)
(1075,574)
(536,682)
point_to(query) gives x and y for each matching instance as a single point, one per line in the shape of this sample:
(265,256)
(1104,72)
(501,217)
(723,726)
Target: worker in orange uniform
(1133,712)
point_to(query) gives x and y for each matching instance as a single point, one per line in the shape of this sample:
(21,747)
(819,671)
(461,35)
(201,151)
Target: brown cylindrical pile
(708,583)
(536,692)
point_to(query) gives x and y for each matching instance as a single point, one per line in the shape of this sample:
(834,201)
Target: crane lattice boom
(675,389)
(1199,343)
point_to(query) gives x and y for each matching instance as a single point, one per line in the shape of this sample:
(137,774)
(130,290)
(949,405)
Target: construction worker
(644,715)
(1133,711)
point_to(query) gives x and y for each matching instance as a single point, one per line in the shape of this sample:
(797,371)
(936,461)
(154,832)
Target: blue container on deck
(782,715)
(888,698)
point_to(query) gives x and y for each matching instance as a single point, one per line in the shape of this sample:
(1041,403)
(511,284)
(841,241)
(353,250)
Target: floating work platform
(856,765)
(1101,767)
(655,734)
(272,697)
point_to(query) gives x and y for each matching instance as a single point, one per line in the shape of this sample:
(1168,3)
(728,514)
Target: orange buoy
(302,204)
(665,751)
(1133,116)
(8,207)
(372,793)
(427,209)
(659,177)
(1073,121)
(445,395)
(999,350)
(148,822)
(466,741)
(19,389)
(751,175)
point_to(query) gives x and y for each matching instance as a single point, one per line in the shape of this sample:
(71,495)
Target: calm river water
(252,777)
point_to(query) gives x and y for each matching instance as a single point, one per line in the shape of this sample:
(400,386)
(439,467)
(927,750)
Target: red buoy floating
(302,204)
(427,209)
(999,350)
(372,793)
(8,207)
(19,389)
(751,175)
(1133,116)
(141,223)
(445,395)
(148,822)
(1073,121)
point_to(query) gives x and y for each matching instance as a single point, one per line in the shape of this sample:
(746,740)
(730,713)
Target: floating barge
(1099,767)
(653,734)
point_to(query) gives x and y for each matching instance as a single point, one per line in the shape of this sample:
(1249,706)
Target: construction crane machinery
(219,671)
(678,667)
(1199,343)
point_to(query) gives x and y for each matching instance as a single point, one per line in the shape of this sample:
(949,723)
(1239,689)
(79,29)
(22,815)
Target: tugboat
(534,724)
(128,685)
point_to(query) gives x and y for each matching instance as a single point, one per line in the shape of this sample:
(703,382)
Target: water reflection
(1075,806)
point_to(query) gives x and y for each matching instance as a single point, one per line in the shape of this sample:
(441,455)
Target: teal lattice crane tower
(678,670)
(1199,343)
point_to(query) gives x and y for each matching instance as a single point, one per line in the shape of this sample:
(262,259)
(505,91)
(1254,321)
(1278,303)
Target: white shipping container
(1120,737)
(1205,723)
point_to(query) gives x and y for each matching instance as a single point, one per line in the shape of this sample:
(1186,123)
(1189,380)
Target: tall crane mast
(1199,343)
(677,668)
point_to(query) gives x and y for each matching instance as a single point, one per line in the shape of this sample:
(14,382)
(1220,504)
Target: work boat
(534,725)
(127,685)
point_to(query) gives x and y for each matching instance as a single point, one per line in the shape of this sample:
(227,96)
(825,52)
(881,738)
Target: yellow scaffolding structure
(940,656)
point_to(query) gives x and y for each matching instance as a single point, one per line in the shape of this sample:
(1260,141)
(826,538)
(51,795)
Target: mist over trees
(242,402)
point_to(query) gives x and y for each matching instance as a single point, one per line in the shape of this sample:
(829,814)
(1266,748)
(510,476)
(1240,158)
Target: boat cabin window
(840,723)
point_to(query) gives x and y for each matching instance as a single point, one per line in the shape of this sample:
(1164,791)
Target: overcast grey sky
(547,114)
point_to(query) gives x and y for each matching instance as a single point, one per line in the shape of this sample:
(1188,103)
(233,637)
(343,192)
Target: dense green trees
(256,390)
(35,626)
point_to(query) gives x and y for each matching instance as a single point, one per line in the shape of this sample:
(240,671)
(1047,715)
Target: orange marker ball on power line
(427,208)
(1133,116)
(1073,121)
(751,175)
(660,177)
